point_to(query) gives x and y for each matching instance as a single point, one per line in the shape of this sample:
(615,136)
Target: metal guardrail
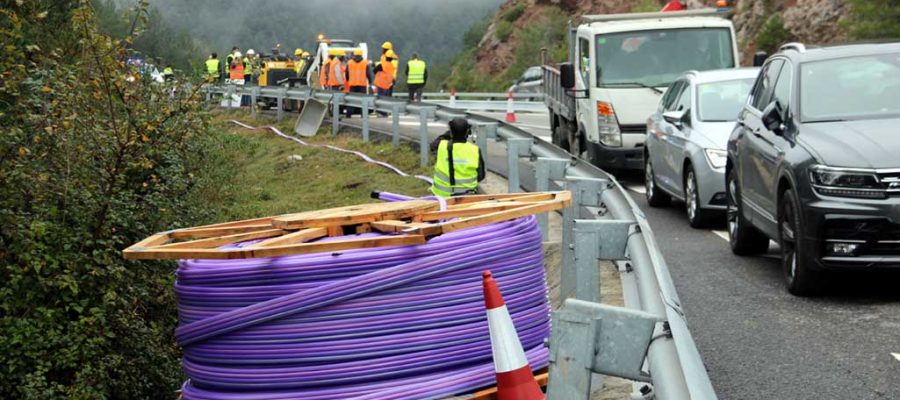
(477,95)
(649,339)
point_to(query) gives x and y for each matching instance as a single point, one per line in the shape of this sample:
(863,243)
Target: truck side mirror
(759,58)
(567,75)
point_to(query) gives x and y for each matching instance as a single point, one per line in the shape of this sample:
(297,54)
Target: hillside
(512,39)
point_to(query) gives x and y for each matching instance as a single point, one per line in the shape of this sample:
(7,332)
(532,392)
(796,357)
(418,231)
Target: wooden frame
(403,223)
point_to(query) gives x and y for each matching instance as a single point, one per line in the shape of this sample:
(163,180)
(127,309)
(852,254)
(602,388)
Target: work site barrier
(648,340)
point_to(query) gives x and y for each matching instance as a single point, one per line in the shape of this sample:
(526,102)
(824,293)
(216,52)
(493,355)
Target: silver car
(684,154)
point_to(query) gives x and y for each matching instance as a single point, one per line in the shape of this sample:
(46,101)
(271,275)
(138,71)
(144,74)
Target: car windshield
(658,57)
(861,87)
(722,101)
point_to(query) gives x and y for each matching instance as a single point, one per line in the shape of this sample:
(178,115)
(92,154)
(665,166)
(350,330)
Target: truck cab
(620,66)
(323,45)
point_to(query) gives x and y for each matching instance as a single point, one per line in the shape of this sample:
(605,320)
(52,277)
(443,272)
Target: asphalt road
(758,341)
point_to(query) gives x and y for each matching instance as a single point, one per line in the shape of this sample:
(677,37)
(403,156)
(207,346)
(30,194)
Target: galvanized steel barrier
(646,341)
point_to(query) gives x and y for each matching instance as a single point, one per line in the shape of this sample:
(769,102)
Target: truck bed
(557,98)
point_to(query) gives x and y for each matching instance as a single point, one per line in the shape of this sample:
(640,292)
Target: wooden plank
(541,196)
(505,215)
(198,233)
(476,209)
(357,214)
(489,393)
(153,240)
(394,226)
(214,242)
(390,225)
(273,251)
(300,236)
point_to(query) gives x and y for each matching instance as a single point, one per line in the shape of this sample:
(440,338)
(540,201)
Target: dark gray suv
(813,162)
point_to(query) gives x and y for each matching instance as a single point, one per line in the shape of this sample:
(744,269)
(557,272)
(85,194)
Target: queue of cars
(807,154)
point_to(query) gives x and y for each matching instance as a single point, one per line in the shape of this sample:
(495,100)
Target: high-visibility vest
(465,169)
(212,67)
(396,65)
(248,66)
(357,73)
(237,71)
(323,73)
(416,72)
(298,66)
(383,79)
(228,59)
(336,73)
(390,67)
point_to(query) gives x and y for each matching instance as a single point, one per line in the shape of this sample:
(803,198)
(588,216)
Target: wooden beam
(300,236)
(214,242)
(198,233)
(354,215)
(273,251)
(476,209)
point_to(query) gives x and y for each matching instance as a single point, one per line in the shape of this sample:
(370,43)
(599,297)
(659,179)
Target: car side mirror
(759,58)
(772,119)
(567,75)
(675,118)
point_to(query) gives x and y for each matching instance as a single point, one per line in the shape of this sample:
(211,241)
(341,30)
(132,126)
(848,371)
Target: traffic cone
(514,378)
(452,98)
(510,114)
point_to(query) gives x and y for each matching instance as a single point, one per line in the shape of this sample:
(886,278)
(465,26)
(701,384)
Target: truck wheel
(800,279)
(743,238)
(558,133)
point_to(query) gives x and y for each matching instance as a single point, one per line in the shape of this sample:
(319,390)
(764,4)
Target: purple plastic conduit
(383,323)
(398,171)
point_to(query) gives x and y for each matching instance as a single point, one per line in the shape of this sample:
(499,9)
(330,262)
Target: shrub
(874,19)
(772,35)
(504,29)
(514,13)
(475,32)
(646,6)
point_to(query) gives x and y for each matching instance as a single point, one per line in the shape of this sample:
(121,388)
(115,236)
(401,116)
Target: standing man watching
(358,77)
(249,68)
(212,67)
(459,166)
(416,77)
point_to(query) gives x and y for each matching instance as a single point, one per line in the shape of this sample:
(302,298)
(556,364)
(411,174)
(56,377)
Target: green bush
(874,19)
(89,164)
(514,13)
(475,32)
(504,29)
(646,6)
(772,35)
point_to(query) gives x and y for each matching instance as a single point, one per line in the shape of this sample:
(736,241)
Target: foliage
(646,6)
(547,31)
(874,19)
(514,13)
(89,163)
(476,31)
(772,35)
(266,182)
(503,30)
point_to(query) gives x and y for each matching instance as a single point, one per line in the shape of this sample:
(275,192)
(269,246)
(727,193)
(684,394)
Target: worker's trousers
(355,110)
(415,91)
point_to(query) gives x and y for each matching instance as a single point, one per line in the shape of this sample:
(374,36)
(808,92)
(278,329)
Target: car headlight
(846,182)
(717,158)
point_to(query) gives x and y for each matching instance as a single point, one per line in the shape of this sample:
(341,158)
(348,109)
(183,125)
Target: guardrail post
(424,113)
(515,148)
(208,93)
(279,114)
(395,125)
(365,119)
(336,100)
(585,192)
(254,95)
(546,170)
(485,131)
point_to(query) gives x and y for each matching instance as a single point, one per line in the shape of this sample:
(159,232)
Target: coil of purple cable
(392,322)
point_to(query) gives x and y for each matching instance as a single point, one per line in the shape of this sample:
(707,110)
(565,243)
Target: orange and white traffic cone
(514,378)
(510,114)
(452,98)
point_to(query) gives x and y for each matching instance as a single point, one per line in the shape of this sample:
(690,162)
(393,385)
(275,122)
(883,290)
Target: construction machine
(323,46)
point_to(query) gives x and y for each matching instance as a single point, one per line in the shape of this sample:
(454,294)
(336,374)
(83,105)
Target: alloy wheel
(690,195)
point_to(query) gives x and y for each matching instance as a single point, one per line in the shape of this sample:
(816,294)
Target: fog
(432,28)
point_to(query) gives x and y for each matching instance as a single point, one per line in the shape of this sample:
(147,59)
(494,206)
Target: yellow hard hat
(387,45)
(305,54)
(357,52)
(390,54)
(298,51)
(335,52)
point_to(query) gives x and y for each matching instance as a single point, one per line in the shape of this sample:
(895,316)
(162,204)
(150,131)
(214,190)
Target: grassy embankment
(265,181)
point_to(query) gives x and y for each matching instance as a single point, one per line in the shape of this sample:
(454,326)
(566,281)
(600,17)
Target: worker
(358,77)
(229,59)
(168,73)
(459,166)
(236,69)
(384,77)
(299,61)
(389,47)
(416,77)
(248,66)
(336,72)
(212,67)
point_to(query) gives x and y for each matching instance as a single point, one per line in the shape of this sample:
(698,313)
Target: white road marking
(721,234)
(636,188)
(896,356)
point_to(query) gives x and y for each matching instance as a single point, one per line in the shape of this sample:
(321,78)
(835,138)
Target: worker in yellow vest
(299,61)
(212,67)
(416,77)
(248,66)
(358,77)
(459,166)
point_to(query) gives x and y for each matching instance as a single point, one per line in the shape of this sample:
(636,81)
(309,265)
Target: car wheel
(698,217)
(800,279)
(743,238)
(655,196)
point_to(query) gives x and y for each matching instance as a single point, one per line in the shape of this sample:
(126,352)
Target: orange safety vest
(237,71)
(383,79)
(332,79)
(390,67)
(323,73)
(358,73)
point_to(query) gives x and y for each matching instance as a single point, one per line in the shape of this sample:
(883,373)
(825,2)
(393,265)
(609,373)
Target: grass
(263,181)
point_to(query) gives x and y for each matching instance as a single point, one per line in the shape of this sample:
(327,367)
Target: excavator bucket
(310,118)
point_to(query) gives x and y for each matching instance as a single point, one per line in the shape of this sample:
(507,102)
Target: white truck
(619,66)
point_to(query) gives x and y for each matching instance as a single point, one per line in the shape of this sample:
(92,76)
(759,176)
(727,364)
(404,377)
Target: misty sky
(433,28)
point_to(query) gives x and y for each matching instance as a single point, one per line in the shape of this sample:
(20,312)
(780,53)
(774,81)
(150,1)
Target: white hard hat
(250,52)
(238,54)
